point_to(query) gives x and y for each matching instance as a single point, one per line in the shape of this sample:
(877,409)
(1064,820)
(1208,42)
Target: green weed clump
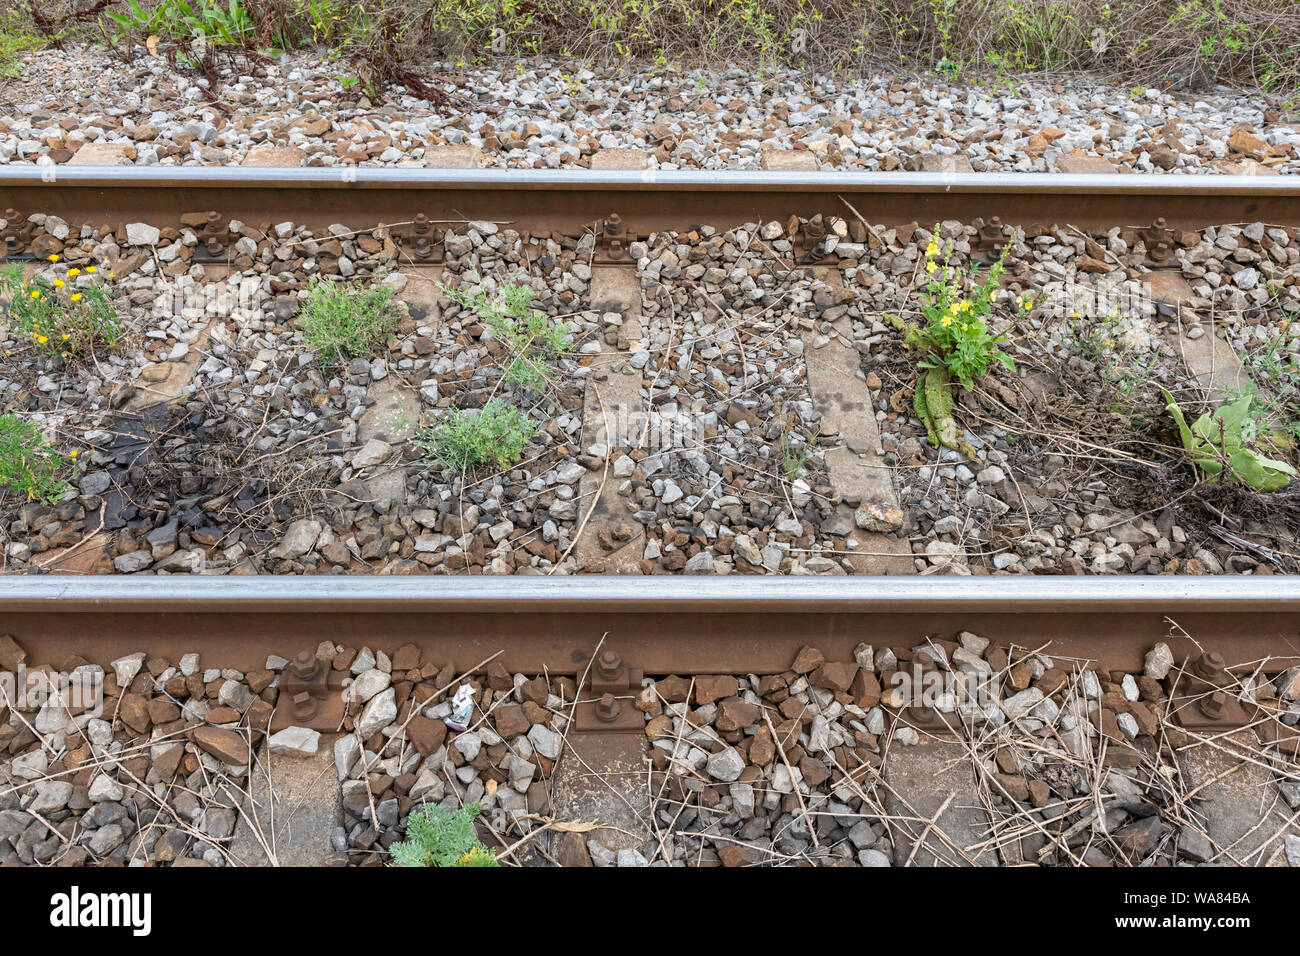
(530,337)
(954,340)
(496,435)
(340,321)
(213,23)
(69,314)
(435,837)
(17,36)
(1233,442)
(30,466)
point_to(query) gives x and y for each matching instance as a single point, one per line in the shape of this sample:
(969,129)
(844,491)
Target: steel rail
(660,624)
(568,201)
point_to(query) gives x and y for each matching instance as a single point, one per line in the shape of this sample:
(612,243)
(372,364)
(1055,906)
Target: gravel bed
(786,769)
(556,115)
(157,778)
(743,770)
(268,458)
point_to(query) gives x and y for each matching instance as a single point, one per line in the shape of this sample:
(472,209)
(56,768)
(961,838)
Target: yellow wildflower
(76,297)
(929,267)
(74,272)
(42,339)
(946,321)
(58,283)
(90,270)
(73,453)
(35,294)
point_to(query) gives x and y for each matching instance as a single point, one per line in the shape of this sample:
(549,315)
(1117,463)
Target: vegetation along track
(225,412)
(166,485)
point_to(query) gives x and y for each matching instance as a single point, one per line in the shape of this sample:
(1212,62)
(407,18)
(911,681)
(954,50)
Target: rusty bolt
(1209,666)
(304,705)
(1212,706)
(305,665)
(608,664)
(607,709)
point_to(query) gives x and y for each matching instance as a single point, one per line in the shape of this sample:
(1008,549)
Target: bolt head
(607,708)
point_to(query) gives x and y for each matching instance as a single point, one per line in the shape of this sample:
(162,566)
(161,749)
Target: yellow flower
(74,272)
(965,327)
(112,275)
(946,321)
(42,339)
(66,336)
(929,267)
(58,283)
(90,270)
(35,294)
(76,297)
(54,258)
(73,453)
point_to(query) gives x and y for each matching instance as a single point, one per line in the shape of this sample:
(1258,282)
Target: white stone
(296,742)
(104,788)
(125,668)
(379,713)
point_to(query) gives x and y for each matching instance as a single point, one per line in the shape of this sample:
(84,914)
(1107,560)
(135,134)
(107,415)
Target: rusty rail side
(662,624)
(569,201)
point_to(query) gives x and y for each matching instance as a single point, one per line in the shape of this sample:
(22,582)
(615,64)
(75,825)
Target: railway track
(571,202)
(607,634)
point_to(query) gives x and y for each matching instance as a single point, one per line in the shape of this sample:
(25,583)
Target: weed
(200,24)
(1275,368)
(1119,347)
(793,455)
(341,322)
(16,36)
(435,837)
(496,435)
(956,337)
(30,465)
(955,342)
(530,337)
(67,315)
(1230,442)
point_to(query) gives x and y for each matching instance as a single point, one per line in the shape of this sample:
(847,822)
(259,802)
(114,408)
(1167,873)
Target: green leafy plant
(341,321)
(1227,442)
(795,454)
(1275,367)
(495,435)
(955,342)
(68,314)
(30,465)
(531,337)
(435,837)
(16,37)
(214,23)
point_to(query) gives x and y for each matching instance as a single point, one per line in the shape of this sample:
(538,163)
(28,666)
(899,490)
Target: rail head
(827,181)
(659,594)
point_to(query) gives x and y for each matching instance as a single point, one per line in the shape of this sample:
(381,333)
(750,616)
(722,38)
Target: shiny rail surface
(569,200)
